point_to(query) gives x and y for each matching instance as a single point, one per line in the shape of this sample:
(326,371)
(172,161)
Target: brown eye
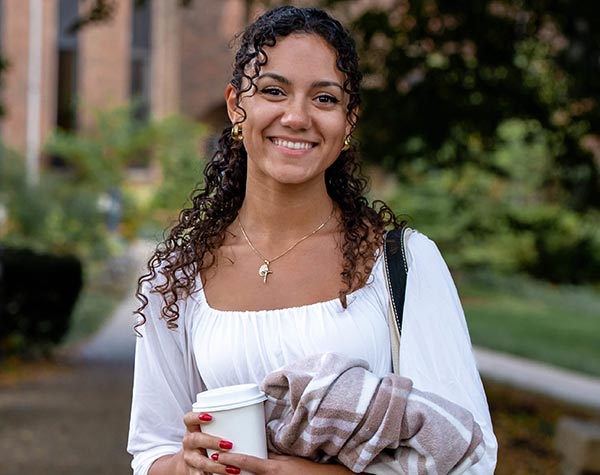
(271,91)
(327,99)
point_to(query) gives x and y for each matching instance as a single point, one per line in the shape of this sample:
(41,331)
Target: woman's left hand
(278,464)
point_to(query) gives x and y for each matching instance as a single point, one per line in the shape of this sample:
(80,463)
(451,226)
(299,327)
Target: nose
(296,114)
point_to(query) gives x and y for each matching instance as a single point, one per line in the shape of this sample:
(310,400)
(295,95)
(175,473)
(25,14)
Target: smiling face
(296,118)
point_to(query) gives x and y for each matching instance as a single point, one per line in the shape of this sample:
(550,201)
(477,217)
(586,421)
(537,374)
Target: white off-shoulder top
(214,348)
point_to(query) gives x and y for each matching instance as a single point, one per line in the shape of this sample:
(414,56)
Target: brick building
(171,59)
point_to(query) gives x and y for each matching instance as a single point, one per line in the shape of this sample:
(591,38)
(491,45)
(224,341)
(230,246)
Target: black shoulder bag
(396,271)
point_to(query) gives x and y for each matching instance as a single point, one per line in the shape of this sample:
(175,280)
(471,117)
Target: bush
(70,211)
(58,216)
(37,295)
(100,156)
(504,211)
(180,160)
(102,159)
(178,153)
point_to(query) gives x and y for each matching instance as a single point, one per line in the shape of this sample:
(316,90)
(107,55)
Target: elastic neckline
(352,295)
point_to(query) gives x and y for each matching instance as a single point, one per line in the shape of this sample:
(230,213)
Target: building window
(66,110)
(2,61)
(140,60)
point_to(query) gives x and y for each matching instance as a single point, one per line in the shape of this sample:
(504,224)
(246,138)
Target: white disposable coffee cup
(238,416)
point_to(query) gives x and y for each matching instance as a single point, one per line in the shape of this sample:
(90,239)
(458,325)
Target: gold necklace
(264,270)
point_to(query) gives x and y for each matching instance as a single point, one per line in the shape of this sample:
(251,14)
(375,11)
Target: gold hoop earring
(236,133)
(346,145)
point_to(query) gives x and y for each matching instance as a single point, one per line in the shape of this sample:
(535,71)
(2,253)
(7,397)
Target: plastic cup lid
(228,397)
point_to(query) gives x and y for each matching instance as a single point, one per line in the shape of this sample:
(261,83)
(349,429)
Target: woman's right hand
(195,443)
(193,459)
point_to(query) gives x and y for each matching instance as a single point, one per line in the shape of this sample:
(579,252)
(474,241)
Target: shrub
(37,295)
(100,156)
(102,159)
(178,152)
(68,213)
(504,210)
(58,216)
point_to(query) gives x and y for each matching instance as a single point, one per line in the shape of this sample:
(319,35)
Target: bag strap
(396,270)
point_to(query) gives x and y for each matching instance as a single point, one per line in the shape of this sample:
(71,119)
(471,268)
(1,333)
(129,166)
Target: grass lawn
(554,324)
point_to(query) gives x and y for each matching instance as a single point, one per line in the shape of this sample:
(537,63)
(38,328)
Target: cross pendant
(264,271)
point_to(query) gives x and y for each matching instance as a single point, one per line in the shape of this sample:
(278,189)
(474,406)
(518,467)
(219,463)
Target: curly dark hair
(200,230)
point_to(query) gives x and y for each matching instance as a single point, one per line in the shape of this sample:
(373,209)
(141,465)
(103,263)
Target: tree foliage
(441,74)
(71,209)
(101,160)
(503,217)
(487,112)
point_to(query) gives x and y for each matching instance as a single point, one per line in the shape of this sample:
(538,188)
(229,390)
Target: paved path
(74,421)
(70,422)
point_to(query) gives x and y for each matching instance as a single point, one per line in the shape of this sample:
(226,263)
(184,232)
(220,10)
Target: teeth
(293,145)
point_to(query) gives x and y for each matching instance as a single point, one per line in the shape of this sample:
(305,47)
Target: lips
(293,144)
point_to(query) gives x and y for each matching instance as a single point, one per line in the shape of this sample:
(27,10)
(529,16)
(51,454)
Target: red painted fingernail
(232,470)
(225,444)
(215,457)
(205,417)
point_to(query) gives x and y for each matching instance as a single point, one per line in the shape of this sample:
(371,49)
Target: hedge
(37,295)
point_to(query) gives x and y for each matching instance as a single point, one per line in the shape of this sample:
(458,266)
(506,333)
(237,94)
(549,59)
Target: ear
(233,110)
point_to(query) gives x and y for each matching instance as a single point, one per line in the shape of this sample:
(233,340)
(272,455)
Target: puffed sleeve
(435,349)
(165,384)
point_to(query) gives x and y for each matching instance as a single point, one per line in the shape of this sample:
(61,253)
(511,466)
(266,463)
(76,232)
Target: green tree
(487,112)
(504,217)
(441,74)
(100,160)
(99,157)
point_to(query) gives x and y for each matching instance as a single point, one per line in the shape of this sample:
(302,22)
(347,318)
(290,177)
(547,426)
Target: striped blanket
(330,407)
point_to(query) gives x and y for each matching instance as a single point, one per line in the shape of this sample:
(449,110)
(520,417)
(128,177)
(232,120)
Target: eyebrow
(286,81)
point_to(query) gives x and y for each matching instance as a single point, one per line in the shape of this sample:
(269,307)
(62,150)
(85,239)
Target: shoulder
(428,273)
(422,251)
(419,249)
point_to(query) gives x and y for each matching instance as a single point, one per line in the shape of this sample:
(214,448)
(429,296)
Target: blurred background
(480,125)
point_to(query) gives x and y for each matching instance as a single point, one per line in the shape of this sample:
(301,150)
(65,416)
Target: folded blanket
(331,407)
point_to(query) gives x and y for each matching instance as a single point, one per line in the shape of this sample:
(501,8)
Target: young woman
(279,257)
